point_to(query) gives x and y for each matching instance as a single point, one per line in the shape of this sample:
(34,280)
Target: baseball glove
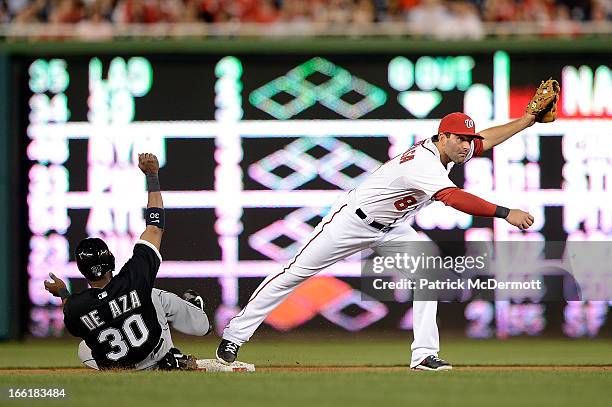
(543,104)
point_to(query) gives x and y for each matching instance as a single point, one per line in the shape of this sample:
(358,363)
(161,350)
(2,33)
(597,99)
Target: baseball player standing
(375,212)
(122,319)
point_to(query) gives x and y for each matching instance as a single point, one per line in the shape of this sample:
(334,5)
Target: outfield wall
(6,310)
(228,100)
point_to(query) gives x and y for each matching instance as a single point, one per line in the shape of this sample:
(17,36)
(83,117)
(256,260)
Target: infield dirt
(490,368)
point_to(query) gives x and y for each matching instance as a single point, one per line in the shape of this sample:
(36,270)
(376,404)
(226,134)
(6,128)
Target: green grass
(461,388)
(344,351)
(331,388)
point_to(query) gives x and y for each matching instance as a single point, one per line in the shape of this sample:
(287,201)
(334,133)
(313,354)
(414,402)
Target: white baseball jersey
(397,190)
(402,186)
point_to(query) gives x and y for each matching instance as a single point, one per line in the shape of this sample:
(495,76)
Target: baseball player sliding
(375,212)
(124,321)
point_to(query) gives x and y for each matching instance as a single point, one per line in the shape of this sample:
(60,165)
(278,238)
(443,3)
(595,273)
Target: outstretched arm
(149,165)
(541,108)
(473,205)
(498,134)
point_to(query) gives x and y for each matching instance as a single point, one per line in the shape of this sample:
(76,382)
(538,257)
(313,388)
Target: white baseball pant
(340,234)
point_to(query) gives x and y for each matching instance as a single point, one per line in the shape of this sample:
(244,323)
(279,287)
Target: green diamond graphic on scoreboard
(303,98)
(339,82)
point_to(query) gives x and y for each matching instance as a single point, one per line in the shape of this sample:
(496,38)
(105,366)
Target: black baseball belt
(373,223)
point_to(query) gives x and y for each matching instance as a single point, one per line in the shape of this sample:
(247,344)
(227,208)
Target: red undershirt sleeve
(465,202)
(478,147)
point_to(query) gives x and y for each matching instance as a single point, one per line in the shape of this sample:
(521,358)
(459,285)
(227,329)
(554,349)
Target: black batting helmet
(93,258)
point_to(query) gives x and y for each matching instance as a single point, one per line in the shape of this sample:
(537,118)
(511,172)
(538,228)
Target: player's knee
(205,327)
(86,356)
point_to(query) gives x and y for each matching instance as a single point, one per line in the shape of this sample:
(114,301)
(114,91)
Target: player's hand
(148,163)
(54,286)
(530,119)
(521,219)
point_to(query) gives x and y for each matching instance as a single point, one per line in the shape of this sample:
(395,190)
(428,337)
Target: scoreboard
(254,148)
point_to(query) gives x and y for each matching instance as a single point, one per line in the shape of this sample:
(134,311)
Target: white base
(213,365)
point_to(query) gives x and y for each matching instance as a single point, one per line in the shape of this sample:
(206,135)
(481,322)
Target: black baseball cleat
(227,352)
(433,363)
(194,298)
